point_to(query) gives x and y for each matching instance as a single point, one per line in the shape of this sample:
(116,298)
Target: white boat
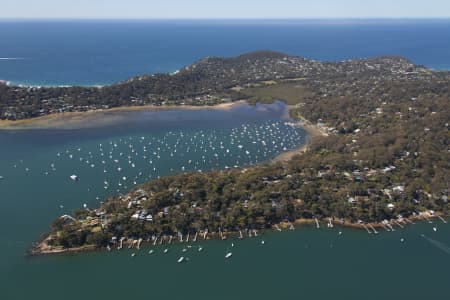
(181,259)
(200,249)
(434,228)
(263,242)
(150,252)
(133,254)
(228,255)
(1,177)
(166,250)
(74,177)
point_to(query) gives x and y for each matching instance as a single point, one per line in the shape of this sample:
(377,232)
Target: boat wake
(437,244)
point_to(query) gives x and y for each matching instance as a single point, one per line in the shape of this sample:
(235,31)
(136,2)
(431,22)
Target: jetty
(442,219)
(317,223)
(398,223)
(330,224)
(373,228)
(121,243)
(195,237)
(390,226)
(291,226)
(366,228)
(385,227)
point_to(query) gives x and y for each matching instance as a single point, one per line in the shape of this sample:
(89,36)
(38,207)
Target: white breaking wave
(11,58)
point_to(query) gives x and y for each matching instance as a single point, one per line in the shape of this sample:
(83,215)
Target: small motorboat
(228,255)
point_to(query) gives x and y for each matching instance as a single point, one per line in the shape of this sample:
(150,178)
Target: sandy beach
(99,117)
(105,117)
(313,132)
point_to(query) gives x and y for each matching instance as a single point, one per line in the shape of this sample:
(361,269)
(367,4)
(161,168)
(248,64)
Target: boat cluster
(183,258)
(122,163)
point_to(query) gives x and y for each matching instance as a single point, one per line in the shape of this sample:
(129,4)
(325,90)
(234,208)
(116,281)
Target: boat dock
(373,228)
(366,228)
(442,219)
(330,224)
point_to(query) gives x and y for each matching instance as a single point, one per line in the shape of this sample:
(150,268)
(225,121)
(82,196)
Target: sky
(223,9)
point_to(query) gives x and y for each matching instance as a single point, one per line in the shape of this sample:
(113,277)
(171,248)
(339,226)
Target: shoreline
(312,131)
(90,119)
(77,120)
(36,250)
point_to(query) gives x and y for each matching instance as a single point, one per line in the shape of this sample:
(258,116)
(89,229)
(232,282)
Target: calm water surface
(303,264)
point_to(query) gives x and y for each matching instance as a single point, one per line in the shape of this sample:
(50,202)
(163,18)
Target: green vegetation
(385,157)
(290,92)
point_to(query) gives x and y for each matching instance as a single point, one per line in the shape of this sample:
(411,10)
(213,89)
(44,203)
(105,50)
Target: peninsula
(382,156)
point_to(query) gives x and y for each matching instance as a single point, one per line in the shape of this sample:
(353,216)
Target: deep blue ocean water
(103,52)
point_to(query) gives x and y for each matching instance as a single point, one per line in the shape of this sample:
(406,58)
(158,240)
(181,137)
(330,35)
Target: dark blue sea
(103,52)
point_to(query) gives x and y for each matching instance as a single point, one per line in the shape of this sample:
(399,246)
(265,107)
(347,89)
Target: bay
(306,263)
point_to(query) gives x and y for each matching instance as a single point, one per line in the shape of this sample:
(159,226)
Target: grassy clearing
(290,92)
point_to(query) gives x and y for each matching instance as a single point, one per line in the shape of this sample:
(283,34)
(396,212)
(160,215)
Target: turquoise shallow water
(306,263)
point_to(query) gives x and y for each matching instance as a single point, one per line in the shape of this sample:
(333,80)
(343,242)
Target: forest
(385,157)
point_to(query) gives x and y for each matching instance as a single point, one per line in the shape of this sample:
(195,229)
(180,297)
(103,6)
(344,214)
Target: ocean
(103,52)
(307,263)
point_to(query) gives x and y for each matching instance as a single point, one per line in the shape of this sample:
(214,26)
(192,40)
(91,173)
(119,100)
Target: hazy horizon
(231,9)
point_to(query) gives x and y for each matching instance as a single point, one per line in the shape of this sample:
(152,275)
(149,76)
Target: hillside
(206,82)
(385,159)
